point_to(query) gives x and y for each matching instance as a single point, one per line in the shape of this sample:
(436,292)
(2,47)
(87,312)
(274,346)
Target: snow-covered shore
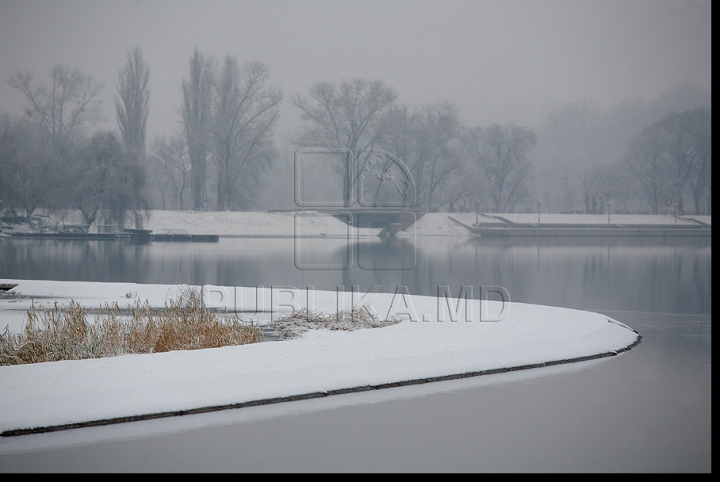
(318,364)
(268,224)
(430,224)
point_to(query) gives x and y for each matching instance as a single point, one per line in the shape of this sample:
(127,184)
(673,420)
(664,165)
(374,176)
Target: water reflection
(647,410)
(640,274)
(166,426)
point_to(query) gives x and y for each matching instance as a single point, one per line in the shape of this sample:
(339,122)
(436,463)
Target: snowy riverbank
(321,363)
(287,224)
(430,224)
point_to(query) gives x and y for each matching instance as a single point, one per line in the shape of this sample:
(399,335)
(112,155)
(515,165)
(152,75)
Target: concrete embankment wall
(575,231)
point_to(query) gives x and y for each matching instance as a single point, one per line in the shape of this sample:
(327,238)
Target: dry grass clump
(295,324)
(64,333)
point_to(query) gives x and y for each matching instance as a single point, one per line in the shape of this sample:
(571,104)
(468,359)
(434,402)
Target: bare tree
(425,138)
(672,156)
(132,102)
(90,172)
(196,112)
(438,156)
(501,152)
(346,116)
(113,177)
(700,178)
(24,180)
(61,108)
(132,109)
(568,194)
(244,109)
(56,117)
(175,169)
(643,160)
(8,152)
(600,185)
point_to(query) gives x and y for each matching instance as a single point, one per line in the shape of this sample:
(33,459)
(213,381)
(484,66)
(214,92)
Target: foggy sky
(498,60)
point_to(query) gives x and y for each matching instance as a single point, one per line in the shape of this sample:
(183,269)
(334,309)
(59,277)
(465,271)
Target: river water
(647,410)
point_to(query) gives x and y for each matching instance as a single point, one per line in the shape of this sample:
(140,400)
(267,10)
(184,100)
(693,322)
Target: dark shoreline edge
(310,395)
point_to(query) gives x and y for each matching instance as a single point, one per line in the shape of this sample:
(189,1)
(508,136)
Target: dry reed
(64,332)
(298,322)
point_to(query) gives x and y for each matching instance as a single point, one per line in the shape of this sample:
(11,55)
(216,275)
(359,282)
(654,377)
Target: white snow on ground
(284,224)
(439,224)
(311,223)
(46,394)
(430,224)
(596,219)
(226,223)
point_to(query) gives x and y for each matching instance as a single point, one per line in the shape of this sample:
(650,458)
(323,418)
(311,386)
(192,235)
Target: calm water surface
(648,410)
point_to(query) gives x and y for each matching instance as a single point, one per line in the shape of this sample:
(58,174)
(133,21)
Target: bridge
(391,220)
(368,189)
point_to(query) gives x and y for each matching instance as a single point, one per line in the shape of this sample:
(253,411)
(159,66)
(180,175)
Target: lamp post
(609,206)
(538,206)
(477,211)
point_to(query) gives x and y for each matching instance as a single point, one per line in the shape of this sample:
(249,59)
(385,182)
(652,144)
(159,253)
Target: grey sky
(498,60)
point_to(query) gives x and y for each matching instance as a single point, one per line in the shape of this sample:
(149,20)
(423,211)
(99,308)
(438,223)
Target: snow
(320,362)
(430,224)
(226,223)
(312,223)
(579,219)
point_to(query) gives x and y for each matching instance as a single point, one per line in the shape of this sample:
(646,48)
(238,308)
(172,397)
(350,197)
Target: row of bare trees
(671,160)
(636,157)
(50,158)
(664,167)
(452,167)
(228,115)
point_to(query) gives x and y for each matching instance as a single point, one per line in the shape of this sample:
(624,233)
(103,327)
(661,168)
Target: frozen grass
(64,332)
(295,324)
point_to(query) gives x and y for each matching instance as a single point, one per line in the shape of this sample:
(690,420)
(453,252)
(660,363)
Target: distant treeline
(636,157)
